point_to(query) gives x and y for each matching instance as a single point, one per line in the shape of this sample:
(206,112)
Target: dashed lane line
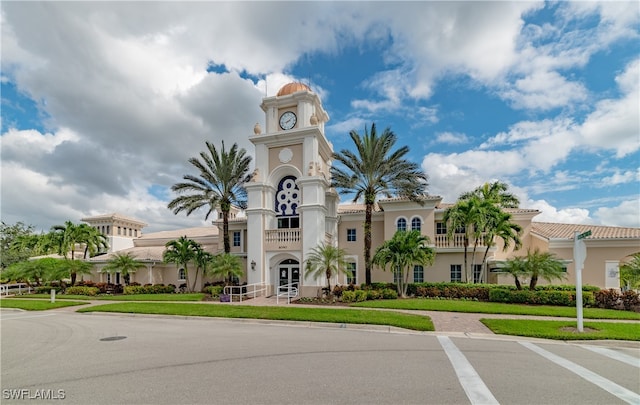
(619,391)
(474,387)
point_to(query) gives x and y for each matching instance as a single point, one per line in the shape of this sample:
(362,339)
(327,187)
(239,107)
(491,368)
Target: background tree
(93,240)
(226,266)
(374,170)
(500,226)
(219,184)
(181,251)
(630,273)
(495,193)
(404,250)
(203,261)
(467,216)
(125,264)
(326,260)
(17,243)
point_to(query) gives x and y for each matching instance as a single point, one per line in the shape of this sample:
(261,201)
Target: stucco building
(292,209)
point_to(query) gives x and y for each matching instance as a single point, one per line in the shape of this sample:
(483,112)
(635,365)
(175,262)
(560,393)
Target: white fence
(288,290)
(253,290)
(19,288)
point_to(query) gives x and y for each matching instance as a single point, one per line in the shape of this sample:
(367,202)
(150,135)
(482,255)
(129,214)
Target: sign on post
(579,256)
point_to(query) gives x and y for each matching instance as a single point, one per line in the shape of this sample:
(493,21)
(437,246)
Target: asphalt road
(120,359)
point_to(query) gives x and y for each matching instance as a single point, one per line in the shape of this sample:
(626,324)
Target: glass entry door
(289,273)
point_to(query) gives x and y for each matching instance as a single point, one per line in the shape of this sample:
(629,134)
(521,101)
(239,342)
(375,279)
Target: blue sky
(103,103)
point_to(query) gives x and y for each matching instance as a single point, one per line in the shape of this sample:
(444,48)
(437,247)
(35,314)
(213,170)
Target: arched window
(401,224)
(287,202)
(416,224)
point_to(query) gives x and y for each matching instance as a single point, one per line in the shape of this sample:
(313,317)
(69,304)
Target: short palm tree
(630,273)
(125,264)
(227,266)
(327,261)
(219,184)
(499,225)
(536,265)
(181,251)
(203,261)
(374,170)
(405,249)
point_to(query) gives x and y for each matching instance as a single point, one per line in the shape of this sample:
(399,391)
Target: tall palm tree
(405,249)
(496,193)
(374,170)
(125,264)
(500,226)
(93,240)
(65,237)
(326,260)
(219,184)
(181,251)
(470,216)
(69,235)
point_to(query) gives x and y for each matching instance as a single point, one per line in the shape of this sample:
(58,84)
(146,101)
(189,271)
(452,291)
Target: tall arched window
(401,224)
(416,224)
(287,202)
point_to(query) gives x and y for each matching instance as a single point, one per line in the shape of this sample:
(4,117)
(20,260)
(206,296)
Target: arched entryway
(289,273)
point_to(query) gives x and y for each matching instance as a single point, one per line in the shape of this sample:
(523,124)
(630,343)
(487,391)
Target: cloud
(550,213)
(452,138)
(626,214)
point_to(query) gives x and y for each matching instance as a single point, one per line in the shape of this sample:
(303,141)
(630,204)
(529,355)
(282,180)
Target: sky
(103,103)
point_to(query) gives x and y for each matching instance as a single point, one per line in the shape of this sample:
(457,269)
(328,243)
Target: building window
(416,224)
(236,238)
(401,224)
(461,229)
(351,273)
(182,275)
(418,274)
(456,273)
(108,278)
(108,230)
(351,235)
(477,273)
(441,228)
(130,232)
(119,231)
(135,233)
(287,202)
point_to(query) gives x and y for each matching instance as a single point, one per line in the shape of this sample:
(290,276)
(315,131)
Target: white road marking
(612,354)
(474,387)
(607,385)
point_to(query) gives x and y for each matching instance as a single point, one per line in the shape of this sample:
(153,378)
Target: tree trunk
(533,282)
(518,285)
(466,250)
(225,230)
(367,243)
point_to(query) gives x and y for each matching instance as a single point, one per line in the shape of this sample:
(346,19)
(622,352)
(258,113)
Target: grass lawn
(132,297)
(425,304)
(564,330)
(353,316)
(36,305)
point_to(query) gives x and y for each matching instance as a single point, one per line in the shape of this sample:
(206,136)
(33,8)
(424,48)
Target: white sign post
(579,255)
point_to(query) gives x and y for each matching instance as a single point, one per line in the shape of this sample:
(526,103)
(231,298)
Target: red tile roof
(550,230)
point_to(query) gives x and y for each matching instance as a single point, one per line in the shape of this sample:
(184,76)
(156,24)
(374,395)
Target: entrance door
(289,273)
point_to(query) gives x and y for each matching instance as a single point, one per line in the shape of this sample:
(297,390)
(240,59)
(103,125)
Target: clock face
(288,120)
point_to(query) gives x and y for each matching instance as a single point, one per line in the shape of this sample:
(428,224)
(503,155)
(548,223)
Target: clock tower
(291,206)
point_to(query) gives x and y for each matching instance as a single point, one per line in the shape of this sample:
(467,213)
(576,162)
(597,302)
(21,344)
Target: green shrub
(389,294)
(609,299)
(544,297)
(90,291)
(46,289)
(360,295)
(349,296)
(149,289)
(630,300)
(373,294)
(214,290)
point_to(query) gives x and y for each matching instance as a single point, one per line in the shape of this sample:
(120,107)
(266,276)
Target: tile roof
(355,208)
(201,231)
(113,216)
(141,253)
(550,230)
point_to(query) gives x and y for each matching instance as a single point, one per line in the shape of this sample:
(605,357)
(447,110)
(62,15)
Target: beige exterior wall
(296,159)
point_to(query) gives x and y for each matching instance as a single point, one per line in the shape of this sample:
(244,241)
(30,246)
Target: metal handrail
(287,290)
(4,288)
(244,290)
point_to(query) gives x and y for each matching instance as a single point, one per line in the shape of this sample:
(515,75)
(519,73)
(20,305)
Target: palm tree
(496,193)
(125,264)
(500,226)
(227,266)
(630,272)
(326,260)
(65,237)
(536,265)
(220,183)
(470,216)
(202,261)
(405,249)
(181,252)
(92,239)
(375,170)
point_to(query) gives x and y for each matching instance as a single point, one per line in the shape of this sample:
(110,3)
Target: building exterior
(293,209)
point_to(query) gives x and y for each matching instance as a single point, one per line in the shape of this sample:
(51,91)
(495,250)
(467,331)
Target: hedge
(80,290)
(149,289)
(562,298)
(214,290)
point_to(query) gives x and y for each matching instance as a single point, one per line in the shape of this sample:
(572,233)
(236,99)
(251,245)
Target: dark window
(236,238)
(351,235)
(351,273)
(416,224)
(456,273)
(418,274)
(477,272)
(401,224)
(441,228)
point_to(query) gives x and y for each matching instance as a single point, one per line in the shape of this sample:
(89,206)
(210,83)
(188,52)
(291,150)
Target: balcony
(283,239)
(457,241)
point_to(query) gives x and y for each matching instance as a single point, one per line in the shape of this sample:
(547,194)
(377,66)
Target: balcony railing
(456,241)
(282,239)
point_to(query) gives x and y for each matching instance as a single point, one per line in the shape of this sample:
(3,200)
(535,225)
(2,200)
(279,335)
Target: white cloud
(452,138)
(621,177)
(550,213)
(626,214)
(544,91)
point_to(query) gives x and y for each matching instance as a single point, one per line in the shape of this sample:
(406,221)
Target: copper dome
(291,88)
